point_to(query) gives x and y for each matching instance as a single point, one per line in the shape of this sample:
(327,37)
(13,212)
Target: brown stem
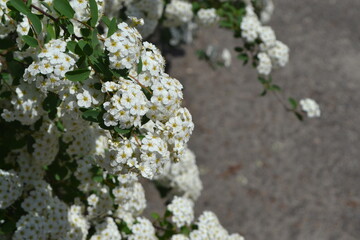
(54,19)
(45,13)
(141,85)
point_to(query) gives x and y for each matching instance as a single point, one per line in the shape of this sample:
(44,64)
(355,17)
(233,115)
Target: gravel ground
(265,174)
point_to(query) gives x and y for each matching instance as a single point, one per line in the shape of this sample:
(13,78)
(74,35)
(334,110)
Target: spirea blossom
(311,108)
(207,17)
(10,188)
(182,211)
(178,12)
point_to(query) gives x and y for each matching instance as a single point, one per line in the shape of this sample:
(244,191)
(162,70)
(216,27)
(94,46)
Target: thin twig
(141,85)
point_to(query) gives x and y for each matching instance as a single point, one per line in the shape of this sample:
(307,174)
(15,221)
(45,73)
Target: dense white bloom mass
(183,177)
(182,211)
(178,12)
(311,108)
(210,228)
(10,188)
(264,66)
(250,25)
(207,17)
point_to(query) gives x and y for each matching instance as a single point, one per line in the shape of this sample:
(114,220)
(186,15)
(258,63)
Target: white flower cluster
(149,95)
(48,71)
(207,17)
(182,211)
(7,24)
(311,108)
(183,177)
(210,228)
(10,188)
(82,9)
(26,105)
(127,105)
(273,53)
(142,229)
(124,47)
(149,10)
(107,230)
(267,10)
(129,196)
(217,57)
(46,144)
(178,12)
(49,217)
(208,225)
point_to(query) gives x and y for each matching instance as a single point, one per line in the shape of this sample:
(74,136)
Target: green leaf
(6,94)
(92,115)
(38,124)
(122,131)
(6,43)
(98,179)
(32,42)
(78,75)
(106,20)
(139,66)
(239,49)
(71,46)
(163,190)
(112,27)
(155,216)
(69,26)
(293,103)
(28,3)
(93,12)
(244,57)
(83,47)
(50,103)
(20,6)
(185,230)
(57,177)
(16,69)
(262,80)
(225,24)
(85,32)
(275,88)
(50,31)
(60,126)
(35,22)
(299,116)
(64,8)
(9,226)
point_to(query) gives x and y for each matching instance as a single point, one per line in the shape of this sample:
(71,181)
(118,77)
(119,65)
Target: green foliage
(21,7)
(32,42)
(50,104)
(64,8)
(78,75)
(111,24)
(92,115)
(93,12)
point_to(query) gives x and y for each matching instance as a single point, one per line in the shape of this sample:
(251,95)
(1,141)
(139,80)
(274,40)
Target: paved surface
(265,174)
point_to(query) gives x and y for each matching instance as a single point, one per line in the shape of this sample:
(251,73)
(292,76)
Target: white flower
(311,108)
(264,66)
(182,211)
(84,99)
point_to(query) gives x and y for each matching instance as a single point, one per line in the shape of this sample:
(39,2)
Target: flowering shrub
(87,109)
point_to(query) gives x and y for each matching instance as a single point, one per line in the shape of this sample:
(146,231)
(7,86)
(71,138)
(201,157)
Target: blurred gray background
(265,174)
